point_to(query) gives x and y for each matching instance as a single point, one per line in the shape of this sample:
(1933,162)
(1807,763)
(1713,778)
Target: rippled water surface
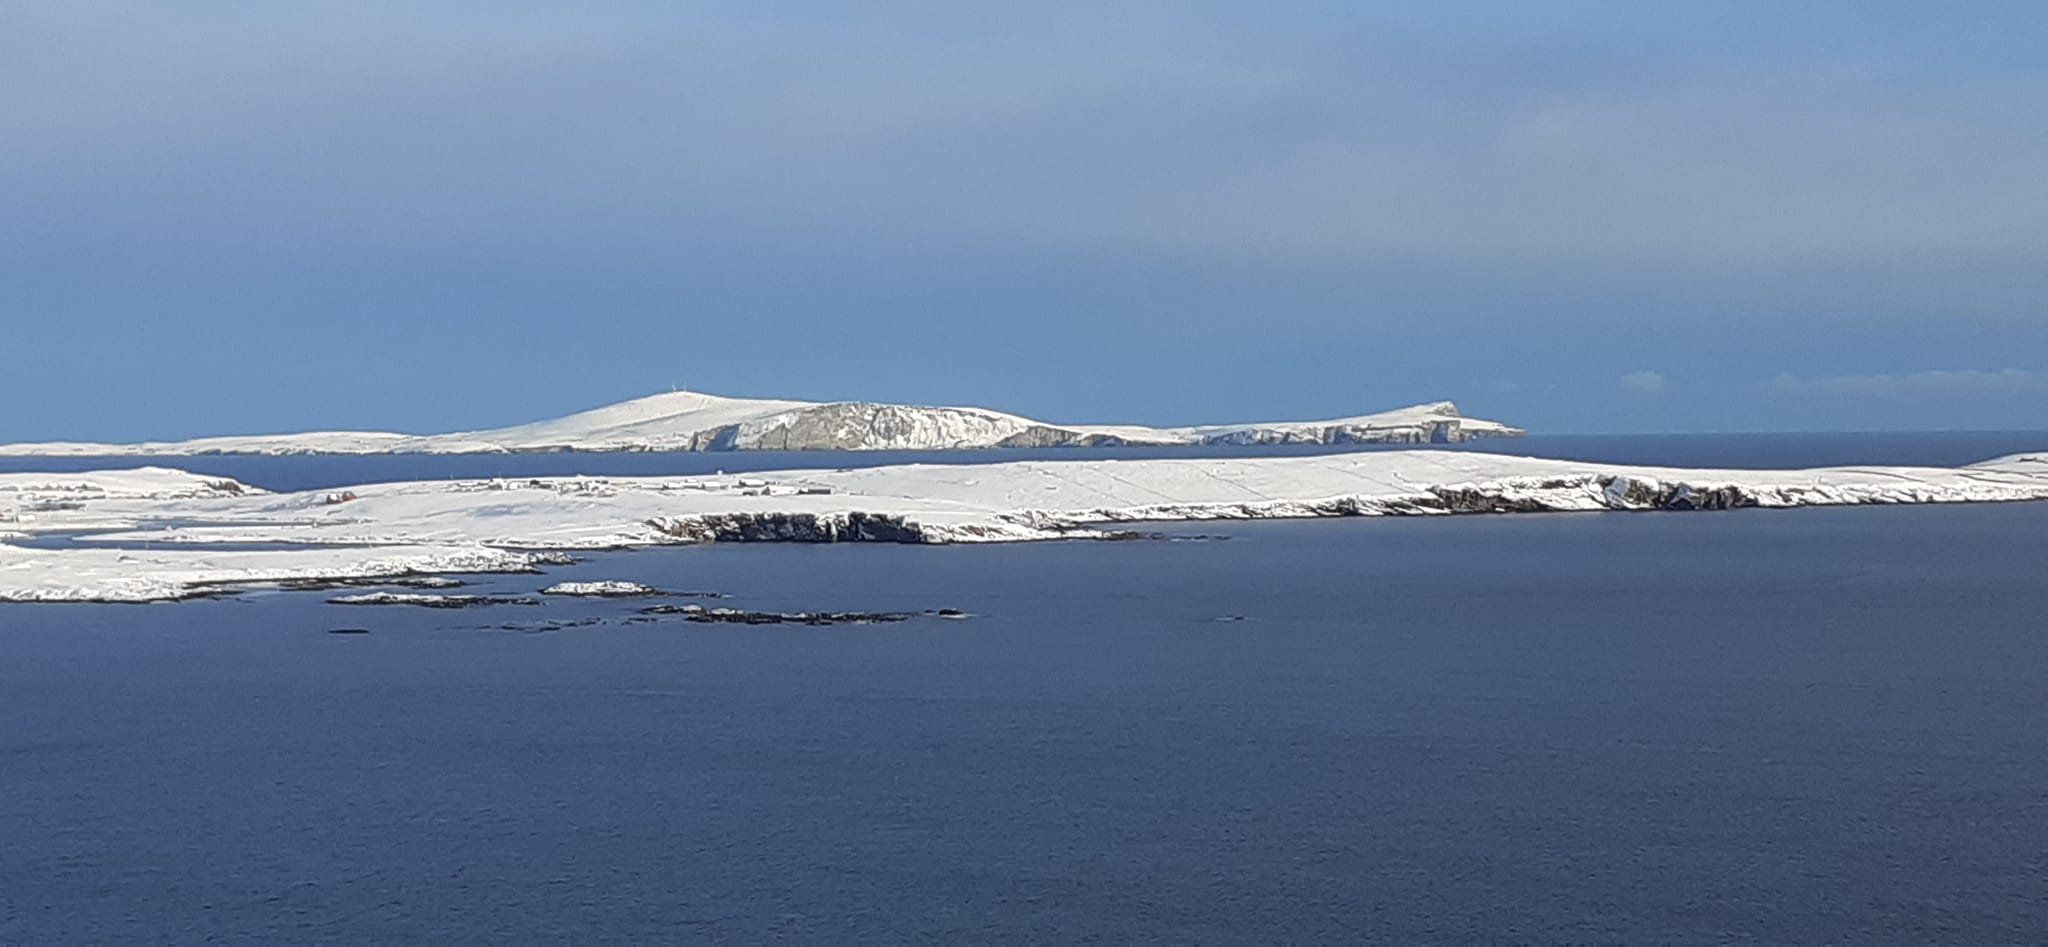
(1777,726)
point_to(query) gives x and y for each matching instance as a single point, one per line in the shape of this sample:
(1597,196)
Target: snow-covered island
(157,533)
(691,421)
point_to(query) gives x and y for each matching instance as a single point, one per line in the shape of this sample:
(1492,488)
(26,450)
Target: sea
(1798,726)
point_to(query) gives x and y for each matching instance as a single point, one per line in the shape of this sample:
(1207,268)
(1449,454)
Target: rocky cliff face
(865,426)
(1435,432)
(868,426)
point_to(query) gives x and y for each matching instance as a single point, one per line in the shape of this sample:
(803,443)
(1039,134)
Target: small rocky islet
(691,612)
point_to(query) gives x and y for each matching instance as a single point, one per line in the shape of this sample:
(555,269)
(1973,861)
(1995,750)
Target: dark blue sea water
(1791,726)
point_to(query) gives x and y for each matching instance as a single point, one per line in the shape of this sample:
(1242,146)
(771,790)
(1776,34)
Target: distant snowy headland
(691,421)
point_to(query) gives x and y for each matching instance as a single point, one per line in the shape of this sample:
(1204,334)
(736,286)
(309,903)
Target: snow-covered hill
(691,421)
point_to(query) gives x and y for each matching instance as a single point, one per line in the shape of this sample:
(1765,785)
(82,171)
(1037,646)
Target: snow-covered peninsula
(158,533)
(692,421)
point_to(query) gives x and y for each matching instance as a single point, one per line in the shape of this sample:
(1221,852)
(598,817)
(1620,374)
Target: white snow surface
(143,482)
(161,574)
(688,420)
(482,525)
(27,499)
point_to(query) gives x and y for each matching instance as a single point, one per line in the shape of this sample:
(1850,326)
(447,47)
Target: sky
(1576,217)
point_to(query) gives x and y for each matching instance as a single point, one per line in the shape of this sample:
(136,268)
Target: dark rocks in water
(416,582)
(430,601)
(547,625)
(739,616)
(1131,535)
(735,616)
(671,609)
(348,631)
(396,581)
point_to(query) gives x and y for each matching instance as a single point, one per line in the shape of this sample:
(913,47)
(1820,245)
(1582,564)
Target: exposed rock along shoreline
(1617,494)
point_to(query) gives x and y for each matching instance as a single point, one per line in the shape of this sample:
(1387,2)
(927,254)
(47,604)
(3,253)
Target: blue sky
(1579,217)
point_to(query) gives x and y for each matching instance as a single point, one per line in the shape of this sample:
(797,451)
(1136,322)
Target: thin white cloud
(1965,383)
(1151,129)
(1644,381)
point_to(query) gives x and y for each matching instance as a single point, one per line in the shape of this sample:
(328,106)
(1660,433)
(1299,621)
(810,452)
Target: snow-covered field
(162,533)
(690,421)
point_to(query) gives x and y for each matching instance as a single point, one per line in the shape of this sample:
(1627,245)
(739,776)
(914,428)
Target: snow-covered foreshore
(692,421)
(163,574)
(162,534)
